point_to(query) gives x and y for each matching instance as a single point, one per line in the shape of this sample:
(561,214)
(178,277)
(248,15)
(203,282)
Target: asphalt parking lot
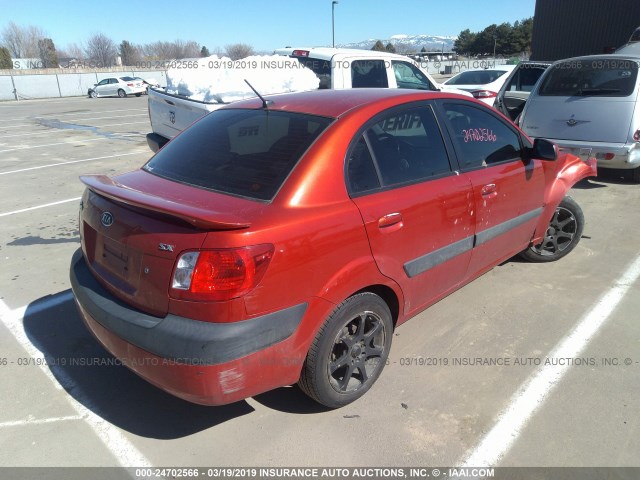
(467,380)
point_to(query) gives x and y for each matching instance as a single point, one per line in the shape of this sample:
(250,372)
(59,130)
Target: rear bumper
(156,142)
(625,156)
(202,362)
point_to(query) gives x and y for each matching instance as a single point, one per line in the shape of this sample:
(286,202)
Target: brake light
(484,94)
(605,156)
(129,84)
(636,136)
(300,53)
(221,274)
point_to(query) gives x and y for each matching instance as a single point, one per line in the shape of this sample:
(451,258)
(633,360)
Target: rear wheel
(138,94)
(121,93)
(349,352)
(562,235)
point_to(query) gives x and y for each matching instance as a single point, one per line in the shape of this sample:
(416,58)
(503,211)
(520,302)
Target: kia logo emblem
(107,219)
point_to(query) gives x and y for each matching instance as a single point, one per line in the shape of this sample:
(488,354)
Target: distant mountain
(406,43)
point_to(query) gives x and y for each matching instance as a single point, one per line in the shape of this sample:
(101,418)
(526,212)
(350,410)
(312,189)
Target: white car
(118,86)
(484,84)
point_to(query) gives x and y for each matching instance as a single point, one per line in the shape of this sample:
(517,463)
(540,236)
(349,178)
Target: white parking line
(5,127)
(125,453)
(39,421)
(39,206)
(532,394)
(74,161)
(56,115)
(61,130)
(27,147)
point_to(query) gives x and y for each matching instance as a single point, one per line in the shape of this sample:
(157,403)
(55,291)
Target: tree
(22,42)
(128,53)
(238,51)
(378,47)
(464,42)
(390,48)
(204,52)
(101,50)
(47,53)
(5,59)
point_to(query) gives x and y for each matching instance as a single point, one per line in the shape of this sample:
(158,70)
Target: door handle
(489,190)
(390,223)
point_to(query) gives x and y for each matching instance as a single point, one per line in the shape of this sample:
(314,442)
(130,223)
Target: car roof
(327,53)
(604,56)
(335,103)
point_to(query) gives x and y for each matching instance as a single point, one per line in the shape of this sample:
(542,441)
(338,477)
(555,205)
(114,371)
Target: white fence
(21,87)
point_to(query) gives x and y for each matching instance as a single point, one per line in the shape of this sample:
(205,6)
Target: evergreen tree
(204,52)
(5,59)
(378,47)
(48,54)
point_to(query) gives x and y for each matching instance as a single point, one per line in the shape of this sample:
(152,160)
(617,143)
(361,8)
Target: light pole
(495,39)
(333,22)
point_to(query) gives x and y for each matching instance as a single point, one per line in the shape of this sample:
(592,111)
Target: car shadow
(290,400)
(98,381)
(589,184)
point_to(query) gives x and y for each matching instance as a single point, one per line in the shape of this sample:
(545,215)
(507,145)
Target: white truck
(336,68)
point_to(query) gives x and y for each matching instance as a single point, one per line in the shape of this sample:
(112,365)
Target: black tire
(93,94)
(562,235)
(138,94)
(122,93)
(635,175)
(349,352)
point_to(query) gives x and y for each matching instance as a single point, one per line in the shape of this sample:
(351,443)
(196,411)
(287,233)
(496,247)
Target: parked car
(590,102)
(483,84)
(284,241)
(513,95)
(118,86)
(150,82)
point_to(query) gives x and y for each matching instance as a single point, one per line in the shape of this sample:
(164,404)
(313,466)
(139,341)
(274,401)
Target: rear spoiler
(193,215)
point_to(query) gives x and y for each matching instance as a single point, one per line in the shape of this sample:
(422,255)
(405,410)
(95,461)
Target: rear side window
(410,76)
(322,69)
(248,153)
(403,147)
(481,139)
(586,78)
(526,78)
(369,74)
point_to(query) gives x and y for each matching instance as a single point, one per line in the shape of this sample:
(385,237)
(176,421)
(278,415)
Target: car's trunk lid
(131,237)
(596,119)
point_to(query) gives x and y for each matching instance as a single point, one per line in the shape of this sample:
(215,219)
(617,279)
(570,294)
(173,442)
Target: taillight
(484,94)
(129,84)
(221,274)
(636,136)
(300,53)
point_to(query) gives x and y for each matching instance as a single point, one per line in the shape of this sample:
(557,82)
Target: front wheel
(122,93)
(349,352)
(93,94)
(562,235)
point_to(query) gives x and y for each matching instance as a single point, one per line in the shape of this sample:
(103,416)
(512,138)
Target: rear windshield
(322,69)
(476,77)
(128,79)
(582,78)
(248,153)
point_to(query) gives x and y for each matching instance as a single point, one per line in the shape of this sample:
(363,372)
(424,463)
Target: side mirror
(543,150)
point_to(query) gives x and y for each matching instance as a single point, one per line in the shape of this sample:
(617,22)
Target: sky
(265,25)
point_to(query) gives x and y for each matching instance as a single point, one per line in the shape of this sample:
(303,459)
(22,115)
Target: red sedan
(283,241)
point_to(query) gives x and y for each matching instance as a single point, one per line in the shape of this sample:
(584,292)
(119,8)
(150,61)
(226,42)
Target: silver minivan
(590,102)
